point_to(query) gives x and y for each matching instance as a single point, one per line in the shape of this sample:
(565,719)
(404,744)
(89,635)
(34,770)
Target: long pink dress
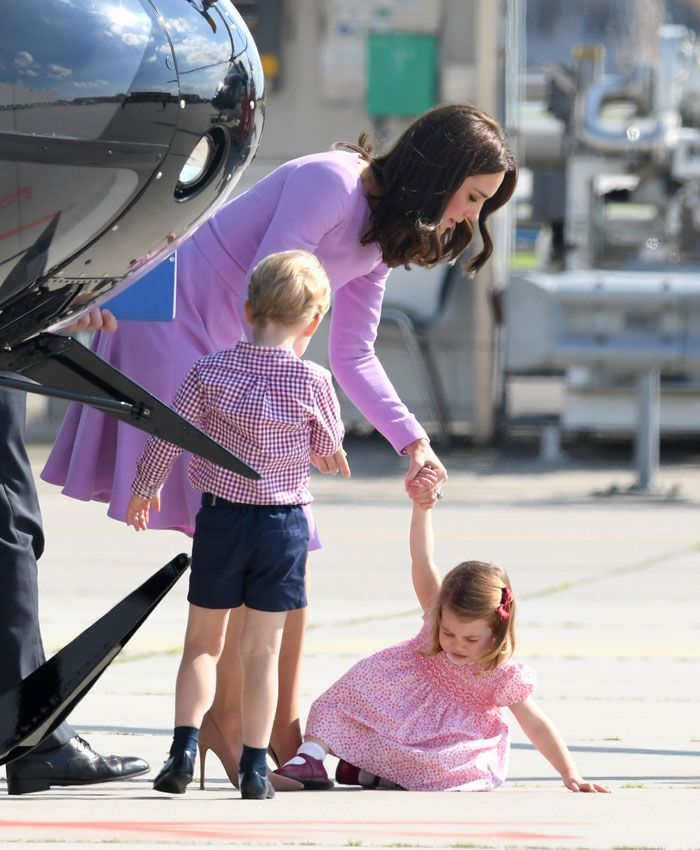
(420,721)
(316,203)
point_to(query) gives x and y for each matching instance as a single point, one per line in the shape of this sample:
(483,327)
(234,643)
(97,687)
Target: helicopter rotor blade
(61,363)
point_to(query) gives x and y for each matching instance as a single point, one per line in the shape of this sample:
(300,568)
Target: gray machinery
(616,176)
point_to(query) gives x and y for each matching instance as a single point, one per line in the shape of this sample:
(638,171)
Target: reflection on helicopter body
(100,109)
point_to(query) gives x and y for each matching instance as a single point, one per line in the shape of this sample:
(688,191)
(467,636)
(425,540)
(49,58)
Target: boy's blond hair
(288,286)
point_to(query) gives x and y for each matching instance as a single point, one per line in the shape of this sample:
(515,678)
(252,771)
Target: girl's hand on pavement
(578,784)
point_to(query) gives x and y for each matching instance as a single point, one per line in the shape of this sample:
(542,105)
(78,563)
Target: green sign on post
(402,74)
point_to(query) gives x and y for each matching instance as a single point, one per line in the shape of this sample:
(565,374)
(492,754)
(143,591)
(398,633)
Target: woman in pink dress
(360,214)
(429,714)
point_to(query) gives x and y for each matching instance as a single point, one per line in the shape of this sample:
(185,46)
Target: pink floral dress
(422,722)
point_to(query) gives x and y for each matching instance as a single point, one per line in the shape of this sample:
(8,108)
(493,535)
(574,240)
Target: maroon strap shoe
(349,774)
(312,774)
(346,773)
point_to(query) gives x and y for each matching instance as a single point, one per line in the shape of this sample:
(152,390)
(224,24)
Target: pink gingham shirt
(268,408)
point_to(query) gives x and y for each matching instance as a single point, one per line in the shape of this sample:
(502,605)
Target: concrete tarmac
(608,589)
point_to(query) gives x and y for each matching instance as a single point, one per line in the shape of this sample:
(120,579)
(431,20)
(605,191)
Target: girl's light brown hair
(288,286)
(473,590)
(417,176)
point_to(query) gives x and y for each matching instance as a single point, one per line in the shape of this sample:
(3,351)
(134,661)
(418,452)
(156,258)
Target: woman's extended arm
(545,736)
(354,322)
(353,331)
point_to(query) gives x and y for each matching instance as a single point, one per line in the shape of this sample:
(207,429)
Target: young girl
(429,714)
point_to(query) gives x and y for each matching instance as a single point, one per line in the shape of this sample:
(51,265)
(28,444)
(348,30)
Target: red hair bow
(506,599)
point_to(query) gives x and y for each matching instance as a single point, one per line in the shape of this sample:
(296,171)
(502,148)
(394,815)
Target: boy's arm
(158,456)
(327,430)
(137,511)
(426,579)
(332,464)
(545,736)
(152,468)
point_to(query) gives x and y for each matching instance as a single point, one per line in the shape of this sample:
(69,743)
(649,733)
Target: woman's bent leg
(286,729)
(226,707)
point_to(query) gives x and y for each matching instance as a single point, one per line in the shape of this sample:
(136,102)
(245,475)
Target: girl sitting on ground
(429,714)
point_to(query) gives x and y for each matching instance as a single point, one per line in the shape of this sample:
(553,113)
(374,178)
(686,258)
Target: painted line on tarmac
(308,831)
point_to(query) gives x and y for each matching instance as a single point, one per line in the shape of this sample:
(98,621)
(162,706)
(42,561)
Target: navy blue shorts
(253,555)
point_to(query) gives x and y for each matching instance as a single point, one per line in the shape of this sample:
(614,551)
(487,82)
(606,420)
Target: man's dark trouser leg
(21,544)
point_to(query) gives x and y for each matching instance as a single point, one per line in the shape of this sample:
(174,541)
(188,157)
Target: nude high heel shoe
(211,738)
(273,755)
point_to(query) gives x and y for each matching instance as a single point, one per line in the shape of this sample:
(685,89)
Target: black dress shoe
(73,763)
(176,773)
(254,786)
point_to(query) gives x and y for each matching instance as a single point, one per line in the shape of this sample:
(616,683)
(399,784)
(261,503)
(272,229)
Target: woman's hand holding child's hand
(137,511)
(424,488)
(421,456)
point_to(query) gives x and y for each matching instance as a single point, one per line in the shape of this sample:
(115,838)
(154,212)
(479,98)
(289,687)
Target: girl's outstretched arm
(426,579)
(545,736)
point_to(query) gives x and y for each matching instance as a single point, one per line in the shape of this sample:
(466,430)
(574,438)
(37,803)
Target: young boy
(271,409)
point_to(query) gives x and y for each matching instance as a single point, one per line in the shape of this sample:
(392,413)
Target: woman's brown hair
(417,176)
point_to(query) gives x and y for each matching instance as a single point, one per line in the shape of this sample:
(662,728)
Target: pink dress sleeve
(516,682)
